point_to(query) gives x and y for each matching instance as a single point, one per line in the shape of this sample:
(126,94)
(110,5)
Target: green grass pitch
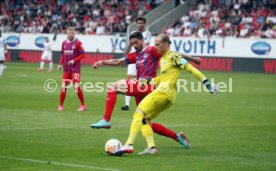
(230,131)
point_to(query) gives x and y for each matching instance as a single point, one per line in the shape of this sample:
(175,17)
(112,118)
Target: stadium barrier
(229,54)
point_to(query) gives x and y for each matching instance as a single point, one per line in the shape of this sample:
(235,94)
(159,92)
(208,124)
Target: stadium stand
(100,17)
(211,18)
(227,18)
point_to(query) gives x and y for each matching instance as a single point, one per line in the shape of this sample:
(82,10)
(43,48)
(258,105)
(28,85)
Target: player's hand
(130,44)
(71,62)
(213,88)
(59,67)
(144,81)
(97,64)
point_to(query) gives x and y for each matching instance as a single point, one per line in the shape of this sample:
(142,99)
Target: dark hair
(141,18)
(136,34)
(165,38)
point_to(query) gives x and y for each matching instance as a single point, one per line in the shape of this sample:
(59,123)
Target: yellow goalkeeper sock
(135,127)
(148,134)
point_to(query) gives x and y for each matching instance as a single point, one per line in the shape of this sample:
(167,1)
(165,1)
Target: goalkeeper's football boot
(101,124)
(183,140)
(127,148)
(82,108)
(152,150)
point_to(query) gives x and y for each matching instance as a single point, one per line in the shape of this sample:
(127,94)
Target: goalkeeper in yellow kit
(163,96)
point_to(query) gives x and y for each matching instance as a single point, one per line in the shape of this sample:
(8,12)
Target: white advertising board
(228,47)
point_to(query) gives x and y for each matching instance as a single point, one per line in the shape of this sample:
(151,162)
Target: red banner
(216,64)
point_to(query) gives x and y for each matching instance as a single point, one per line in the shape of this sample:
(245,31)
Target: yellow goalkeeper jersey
(171,64)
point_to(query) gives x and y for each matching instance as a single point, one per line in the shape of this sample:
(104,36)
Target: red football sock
(80,95)
(62,96)
(162,130)
(109,104)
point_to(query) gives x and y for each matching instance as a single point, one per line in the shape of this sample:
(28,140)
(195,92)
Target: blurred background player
(131,68)
(46,56)
(3,51)
(72,54)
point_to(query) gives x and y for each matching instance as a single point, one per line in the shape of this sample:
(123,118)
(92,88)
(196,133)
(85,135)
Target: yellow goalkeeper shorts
(154,103)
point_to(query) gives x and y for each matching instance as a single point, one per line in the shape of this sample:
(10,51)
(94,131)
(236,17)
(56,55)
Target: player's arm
(211,87)
(81,52)
(189,58)
(61,58)
(178,61)
(60,61)
(147,39)
(110,62)
(79,58)
(129,59)
(129,46)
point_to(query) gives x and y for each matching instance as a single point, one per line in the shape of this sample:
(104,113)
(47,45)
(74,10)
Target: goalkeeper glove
(213,88)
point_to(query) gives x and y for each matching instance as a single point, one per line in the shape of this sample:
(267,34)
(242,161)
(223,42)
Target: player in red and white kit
(131,68)
(72,54)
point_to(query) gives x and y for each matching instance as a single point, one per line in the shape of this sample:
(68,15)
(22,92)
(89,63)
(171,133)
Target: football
(112,146)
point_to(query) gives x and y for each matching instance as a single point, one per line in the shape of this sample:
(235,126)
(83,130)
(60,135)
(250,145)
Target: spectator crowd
(210,18)
(87,16)
(227,18)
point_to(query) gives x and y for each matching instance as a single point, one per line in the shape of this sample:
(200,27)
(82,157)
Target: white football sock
(41,64)
(127,100)
(1,69)
(51,66)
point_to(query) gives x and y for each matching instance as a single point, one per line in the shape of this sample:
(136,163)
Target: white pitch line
(14,129)
(57,163)
(127,126)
